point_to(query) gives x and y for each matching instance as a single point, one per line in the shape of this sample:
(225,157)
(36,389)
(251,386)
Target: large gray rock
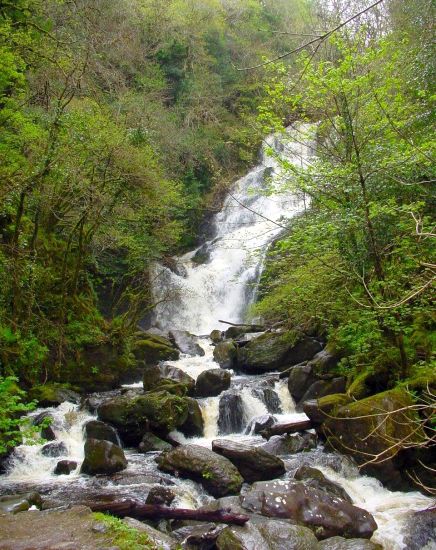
(280,445)
(321,388)
(272,351)
(186,342)
(211,383)
(313,477)
(263,534)
(301,377)
(264,390)
(216,473)
(169,378)
(54,449)
(326,515)
(254,464)
(102,457)
(339,543)
(230,413)
(95,429)
(224,354)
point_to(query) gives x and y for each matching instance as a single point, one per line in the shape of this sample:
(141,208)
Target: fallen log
(257,328)
(286,428)
(137,510)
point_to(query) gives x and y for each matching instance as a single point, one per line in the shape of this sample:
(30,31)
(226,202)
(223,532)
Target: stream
(221,286)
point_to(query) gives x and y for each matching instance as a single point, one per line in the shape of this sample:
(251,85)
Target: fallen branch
(132,508)
(260,327)
(286,428)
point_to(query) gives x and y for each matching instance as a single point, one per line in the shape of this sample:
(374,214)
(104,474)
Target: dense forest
(125,123)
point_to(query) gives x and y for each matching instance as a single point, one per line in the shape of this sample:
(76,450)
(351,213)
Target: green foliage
(123,536)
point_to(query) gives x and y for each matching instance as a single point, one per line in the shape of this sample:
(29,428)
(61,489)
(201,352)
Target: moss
(53,394)
(152,349)
(123,536)
(358,388)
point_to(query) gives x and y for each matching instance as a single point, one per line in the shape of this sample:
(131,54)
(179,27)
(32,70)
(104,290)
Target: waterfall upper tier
(253,215)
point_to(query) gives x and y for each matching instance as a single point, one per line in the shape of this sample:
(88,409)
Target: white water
(224,286)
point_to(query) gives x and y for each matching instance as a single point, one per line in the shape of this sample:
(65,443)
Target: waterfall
(197,296)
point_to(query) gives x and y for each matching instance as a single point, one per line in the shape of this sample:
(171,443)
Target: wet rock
(211,383)
(151,442)
(65,467)
(231,413)
(194,424)
(225,354)
(158,539)
(261,534)
(318,410)
(102,457)
(151,348)
(372,427)
(265,392)
(47,431)
(321,388)
(93,401)
(12,504)
(95,429)
(324,363)
(216,473)
(200,537)
(53,394)
(216,336)
(314,508)
(420,531)
(54,449)
(313,477)
(286,428)
(132,418)
(186,342)
(202,255)
(236,332)
(301,377)
(287,444)
(169,378)
(273,350)
(160,495)
(339,543)
(260,423)
(254,464)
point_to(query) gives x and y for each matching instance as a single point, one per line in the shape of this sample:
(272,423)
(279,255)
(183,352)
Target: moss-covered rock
(225,354)
(216,473)
(53,394)
(318,410)
(133,417)
(381,425)
(194,424)
(273,350)
(151,442)
(102,457)
(212,382)
(151,348)
(169,378)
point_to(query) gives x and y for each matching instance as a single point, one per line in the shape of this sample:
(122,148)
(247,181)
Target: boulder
(65,467)
(157,538)
(260,423)
(102,457)
(230,413)
(274,351)
(321,388)
(151,348)
(132,417)
(263,534)
(45,420)
(53,394)
(254,464)
(339,543)
(318,410)
(12,504)
(324,363)
(151,442)
(237,331)
(216,336)
(420,530)
(186,342)
(95,429)
(381,425)
(287,444)
(211,383)
(313,477)
(54,449)
(167,377)
(160,495)
(216,473)
(314,508)
(194,424)
(301,377)
(224,354)
(200,537)
(268,395)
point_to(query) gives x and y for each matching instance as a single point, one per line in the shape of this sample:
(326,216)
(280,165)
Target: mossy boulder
(275,350)
(216,336)
(133,417)
(381,425)
(53,394)
(194,424)
(151,442)
(318,410)
(211,383)
(102,457)
(151,349)
(216,473)
(169,378)
(225,354)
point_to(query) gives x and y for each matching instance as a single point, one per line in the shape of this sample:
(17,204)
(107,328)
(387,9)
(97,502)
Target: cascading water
(220,288)
(251,218)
